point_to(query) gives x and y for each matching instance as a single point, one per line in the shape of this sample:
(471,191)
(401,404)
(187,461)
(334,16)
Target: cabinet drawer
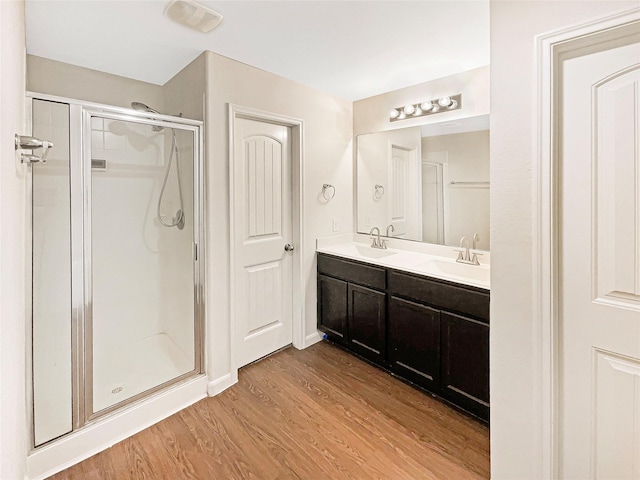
(445,296)
(354,272)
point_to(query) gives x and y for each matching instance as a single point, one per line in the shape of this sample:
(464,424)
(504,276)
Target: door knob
(288,248)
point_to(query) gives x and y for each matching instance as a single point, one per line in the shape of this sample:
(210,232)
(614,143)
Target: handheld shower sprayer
(179,219)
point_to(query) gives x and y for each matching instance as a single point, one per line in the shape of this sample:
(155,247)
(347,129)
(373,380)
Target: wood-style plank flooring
(318,413)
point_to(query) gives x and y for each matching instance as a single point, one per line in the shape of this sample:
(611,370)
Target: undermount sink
(473,272)
(371,252)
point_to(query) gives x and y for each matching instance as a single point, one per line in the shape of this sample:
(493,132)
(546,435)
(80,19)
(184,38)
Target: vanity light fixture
(429,107)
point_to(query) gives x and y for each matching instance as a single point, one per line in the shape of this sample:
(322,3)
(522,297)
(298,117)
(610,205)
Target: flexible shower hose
(178,220)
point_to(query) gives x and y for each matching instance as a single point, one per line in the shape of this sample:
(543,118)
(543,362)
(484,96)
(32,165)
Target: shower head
(142,107)
(146,108)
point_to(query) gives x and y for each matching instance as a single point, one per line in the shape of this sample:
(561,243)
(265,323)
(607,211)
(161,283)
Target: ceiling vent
(193,15)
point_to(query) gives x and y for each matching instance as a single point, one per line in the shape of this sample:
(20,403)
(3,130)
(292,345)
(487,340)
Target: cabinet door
(332,307)
(465,363)
(414,342)
(367,314)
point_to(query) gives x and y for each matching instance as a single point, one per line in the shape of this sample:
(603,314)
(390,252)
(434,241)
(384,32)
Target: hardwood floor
(318,413)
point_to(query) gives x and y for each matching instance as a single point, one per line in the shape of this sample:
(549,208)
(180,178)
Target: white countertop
(441,265)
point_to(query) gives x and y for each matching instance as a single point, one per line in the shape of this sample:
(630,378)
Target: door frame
(546,215)
(297,207)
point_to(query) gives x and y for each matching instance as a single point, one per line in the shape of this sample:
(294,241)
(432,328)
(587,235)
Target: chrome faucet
(392,228)
(476,240)
(377,241)
(464,255)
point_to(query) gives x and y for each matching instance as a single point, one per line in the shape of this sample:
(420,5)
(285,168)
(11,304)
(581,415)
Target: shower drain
(116,390)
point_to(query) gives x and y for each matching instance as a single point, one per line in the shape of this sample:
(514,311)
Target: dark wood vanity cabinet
(430,332)
(352,305)
(367,318)
(332,307)
(414,342)
(465,363)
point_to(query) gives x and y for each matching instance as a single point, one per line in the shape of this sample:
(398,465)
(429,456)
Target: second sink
(373,252)
(472,272)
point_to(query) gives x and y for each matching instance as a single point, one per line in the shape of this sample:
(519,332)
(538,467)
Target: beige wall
(372,114)
(515,393)
(13,241)
(185,92)
(327,159)
(69,81)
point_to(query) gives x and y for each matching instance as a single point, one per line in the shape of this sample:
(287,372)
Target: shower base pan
(124,371)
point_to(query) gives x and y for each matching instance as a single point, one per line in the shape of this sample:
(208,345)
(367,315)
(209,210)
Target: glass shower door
(140,333)
(51,276)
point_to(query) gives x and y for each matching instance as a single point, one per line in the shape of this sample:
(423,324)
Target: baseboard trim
(219,385)
(312,339)
(75,447)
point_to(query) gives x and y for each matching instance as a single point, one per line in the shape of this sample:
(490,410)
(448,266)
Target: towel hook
(24,142)
(379,192)
(328,189)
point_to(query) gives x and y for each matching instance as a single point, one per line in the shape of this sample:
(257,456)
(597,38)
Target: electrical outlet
(336,226)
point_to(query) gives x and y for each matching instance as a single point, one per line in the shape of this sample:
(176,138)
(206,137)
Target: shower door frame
(80,114)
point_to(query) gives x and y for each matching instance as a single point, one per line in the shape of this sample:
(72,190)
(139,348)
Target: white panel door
(262,219)
(599,260)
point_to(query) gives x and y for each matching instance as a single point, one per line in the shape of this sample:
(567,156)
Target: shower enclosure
(117,278)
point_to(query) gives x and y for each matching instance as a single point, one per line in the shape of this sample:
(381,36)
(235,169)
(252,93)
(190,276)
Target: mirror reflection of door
(405,206)
(432,202)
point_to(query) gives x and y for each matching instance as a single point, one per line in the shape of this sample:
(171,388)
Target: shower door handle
(289,248)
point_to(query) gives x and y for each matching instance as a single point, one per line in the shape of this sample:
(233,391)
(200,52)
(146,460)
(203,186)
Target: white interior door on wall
(599,258)
(262,226)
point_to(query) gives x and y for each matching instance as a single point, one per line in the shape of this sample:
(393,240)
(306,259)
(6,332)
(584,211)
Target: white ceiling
(351,49)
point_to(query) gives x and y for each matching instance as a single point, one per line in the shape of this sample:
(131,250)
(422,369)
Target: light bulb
(417,112)
(426,106)
(436,109)
(453,105)
(402,116)
(444,101)
(409,109)
(394,113)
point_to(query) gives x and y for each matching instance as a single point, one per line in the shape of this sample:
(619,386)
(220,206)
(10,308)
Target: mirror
(428,183)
